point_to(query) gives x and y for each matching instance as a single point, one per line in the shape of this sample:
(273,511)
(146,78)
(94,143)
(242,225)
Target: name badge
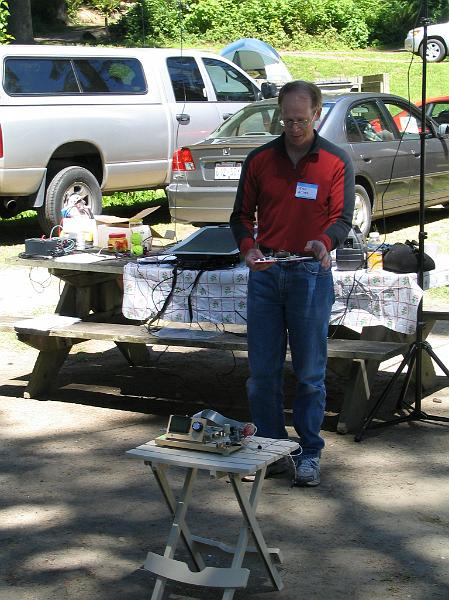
(307,191)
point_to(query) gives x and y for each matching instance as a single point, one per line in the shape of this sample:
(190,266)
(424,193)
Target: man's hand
(319,251)
(250,258)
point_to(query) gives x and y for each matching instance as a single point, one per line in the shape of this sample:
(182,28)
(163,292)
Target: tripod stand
(413,357)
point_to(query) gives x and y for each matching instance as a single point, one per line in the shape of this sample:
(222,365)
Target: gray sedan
(381,133)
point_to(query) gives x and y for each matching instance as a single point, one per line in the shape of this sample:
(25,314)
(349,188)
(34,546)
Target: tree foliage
(284,23)
(4,14)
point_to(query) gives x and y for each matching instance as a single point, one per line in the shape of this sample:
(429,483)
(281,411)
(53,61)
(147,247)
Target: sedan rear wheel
(436,51)
(362,210)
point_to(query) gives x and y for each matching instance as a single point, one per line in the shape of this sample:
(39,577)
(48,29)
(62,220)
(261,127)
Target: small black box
(43,247)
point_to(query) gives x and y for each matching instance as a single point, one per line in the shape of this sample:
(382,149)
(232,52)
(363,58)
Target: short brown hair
(302,87)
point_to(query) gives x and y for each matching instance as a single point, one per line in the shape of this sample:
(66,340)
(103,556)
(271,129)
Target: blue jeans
(294,300)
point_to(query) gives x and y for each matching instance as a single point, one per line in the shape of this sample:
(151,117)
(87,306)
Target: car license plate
(228,170)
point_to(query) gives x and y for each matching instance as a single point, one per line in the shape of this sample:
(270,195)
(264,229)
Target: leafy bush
(4,14)
(73,7)
(148,23)
(298,24)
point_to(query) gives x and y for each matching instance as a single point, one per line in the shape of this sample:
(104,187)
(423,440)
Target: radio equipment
(206,431)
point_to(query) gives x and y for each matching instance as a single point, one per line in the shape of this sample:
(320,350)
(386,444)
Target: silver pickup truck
(92,121)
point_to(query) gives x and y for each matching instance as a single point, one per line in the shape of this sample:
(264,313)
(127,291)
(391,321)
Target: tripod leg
(408,357)
(428,348)
(400,403)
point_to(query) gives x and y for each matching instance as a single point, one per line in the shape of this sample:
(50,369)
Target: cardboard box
(107,224)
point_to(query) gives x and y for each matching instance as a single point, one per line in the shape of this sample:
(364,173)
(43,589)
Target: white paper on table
(82,258)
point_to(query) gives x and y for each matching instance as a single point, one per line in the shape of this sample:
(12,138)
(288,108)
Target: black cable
(157,316)
(189,297)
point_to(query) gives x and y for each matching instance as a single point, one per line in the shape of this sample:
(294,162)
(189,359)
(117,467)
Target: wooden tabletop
(78,261)
(248,459)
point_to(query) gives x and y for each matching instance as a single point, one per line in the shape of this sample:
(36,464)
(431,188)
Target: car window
(186,80)
(39,76)
(440,112)
(407,122)
(366,123)
(325,110)
(109,75)
(253,120)
(229,84)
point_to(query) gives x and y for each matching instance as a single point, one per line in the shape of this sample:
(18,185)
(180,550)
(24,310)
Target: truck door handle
(226,116)
(415,153)
(367,159)
(183,118)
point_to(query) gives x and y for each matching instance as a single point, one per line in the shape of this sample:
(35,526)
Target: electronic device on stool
(207,431)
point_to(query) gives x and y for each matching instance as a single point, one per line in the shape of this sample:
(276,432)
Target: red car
(437,108)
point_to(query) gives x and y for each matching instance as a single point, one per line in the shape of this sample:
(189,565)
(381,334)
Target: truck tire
(436,50)
(68,181)
(362,210)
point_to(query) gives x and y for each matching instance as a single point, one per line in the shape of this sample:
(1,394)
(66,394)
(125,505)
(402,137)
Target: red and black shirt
(292,205)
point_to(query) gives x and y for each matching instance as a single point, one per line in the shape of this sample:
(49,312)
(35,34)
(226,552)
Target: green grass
(403,68)
(122,204)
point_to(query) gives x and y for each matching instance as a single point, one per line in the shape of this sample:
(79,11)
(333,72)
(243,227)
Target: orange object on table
(117,242)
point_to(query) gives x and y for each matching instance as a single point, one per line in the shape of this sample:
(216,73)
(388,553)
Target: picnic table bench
(94,293)
(361,357)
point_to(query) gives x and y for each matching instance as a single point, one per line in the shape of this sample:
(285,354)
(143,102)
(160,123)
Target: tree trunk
(20,23)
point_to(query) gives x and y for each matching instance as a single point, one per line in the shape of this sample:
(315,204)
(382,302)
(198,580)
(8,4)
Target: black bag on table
(404,258)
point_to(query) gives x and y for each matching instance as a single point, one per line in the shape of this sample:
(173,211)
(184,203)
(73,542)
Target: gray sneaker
(307,472)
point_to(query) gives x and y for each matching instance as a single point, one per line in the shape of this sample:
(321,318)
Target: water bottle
(374,254)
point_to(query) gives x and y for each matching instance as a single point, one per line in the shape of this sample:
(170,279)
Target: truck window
(186,80)
(39,76)
(110,75)
(229,84)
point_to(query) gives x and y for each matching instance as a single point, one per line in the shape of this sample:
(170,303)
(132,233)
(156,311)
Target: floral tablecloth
(363,298)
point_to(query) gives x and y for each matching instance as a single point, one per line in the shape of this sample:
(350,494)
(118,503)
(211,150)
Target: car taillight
(183,160)
(1,142)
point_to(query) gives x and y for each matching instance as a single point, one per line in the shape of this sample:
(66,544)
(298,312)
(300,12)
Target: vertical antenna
(143,22)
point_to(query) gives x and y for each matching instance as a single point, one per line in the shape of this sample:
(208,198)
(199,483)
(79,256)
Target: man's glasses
(301,123)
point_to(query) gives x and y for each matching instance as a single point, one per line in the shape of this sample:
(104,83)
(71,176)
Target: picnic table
(94,304)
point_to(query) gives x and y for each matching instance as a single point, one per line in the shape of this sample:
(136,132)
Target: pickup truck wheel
(60,190)
(362,210)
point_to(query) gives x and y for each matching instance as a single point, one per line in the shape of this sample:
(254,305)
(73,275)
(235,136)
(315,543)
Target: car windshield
(259,120)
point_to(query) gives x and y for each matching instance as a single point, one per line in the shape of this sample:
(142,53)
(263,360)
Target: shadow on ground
(78,516)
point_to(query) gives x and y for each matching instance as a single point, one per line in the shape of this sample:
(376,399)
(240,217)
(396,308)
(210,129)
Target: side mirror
(269,89)
(443,129)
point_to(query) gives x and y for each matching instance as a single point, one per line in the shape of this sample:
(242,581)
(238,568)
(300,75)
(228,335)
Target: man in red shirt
(301,187)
